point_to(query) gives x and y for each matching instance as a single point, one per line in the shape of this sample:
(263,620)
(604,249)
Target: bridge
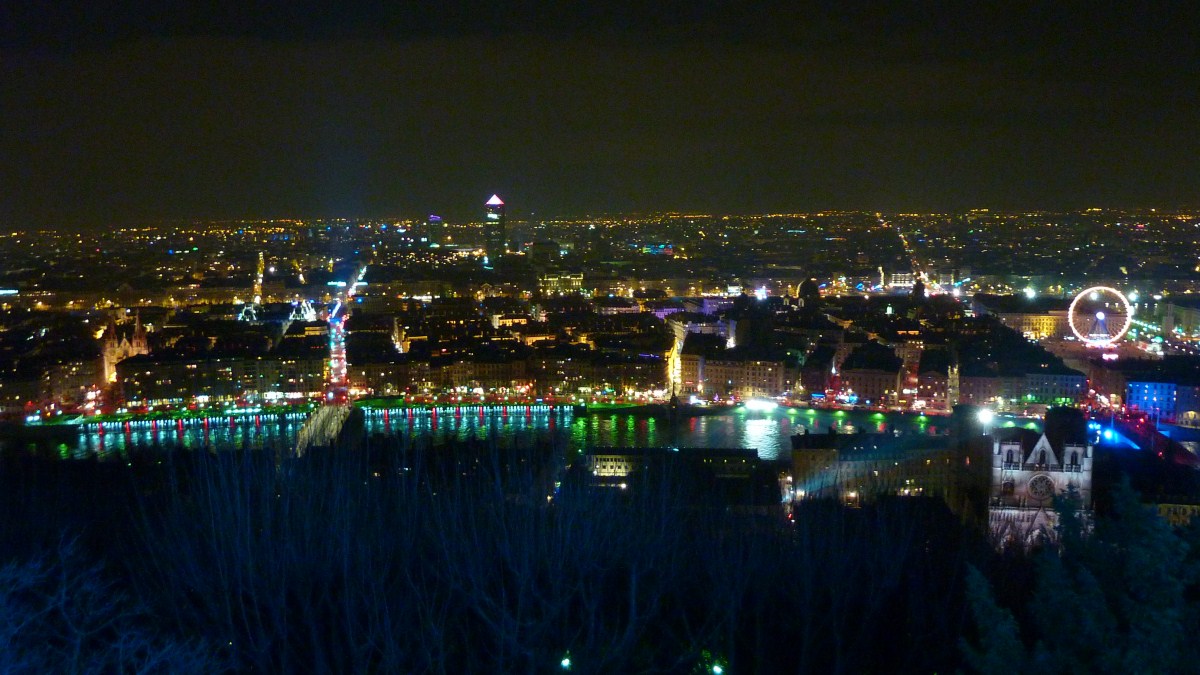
(323,429)
(325,426)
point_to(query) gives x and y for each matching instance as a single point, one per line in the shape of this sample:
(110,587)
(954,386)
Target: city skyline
(793,337)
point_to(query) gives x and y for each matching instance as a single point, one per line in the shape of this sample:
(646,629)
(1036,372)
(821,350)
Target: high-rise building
(494,232)
(434,230)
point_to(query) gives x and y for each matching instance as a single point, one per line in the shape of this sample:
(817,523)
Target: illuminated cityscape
(849,374)
(743,340)
(635,314)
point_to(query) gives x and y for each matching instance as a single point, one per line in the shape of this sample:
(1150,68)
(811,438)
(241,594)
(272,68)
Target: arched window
(1008,458)
(1074,458)
(1042,457)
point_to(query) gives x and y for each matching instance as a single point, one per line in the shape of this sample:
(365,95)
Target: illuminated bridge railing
(452,410)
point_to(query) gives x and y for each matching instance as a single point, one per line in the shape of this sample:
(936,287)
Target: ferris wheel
(1100,315)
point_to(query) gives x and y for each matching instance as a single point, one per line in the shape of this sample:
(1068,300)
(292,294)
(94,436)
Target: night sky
(125,113)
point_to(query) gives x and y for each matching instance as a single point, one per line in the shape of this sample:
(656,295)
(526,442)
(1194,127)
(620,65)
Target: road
(337,386)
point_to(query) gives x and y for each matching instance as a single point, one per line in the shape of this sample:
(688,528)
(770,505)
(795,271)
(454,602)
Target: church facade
(119,345)
(1029,470)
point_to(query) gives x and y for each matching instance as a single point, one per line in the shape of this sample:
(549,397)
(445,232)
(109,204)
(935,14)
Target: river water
(766,432)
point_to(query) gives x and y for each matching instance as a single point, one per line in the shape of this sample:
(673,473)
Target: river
(766,432)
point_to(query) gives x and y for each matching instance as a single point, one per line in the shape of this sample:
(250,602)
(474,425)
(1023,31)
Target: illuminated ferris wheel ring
(1094,337)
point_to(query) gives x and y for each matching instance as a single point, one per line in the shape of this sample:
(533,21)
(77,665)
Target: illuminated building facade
(859,468)
(742,378)
(149,380)
(389,378)
(1036,319)
(1181,317)
(68,382)
(872,386)
(872,375)
(1166,401)
(1038,326)
(1012,492)
(118,347)
(560,282)
(932,391)
(1030,469)
(1050,386)
(624,462)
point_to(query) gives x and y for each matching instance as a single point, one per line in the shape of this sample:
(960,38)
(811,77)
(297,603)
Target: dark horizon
(116,115)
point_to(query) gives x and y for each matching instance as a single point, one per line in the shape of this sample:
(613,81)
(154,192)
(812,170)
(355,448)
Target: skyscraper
(434,230)
(494,232)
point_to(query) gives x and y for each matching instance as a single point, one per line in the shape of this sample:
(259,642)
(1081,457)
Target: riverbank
(186,414)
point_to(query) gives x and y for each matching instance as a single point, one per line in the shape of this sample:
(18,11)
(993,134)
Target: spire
(495,201)
(138,341)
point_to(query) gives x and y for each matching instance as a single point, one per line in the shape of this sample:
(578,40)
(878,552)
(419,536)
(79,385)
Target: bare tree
(59,614)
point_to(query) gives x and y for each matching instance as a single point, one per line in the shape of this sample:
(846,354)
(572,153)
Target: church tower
(119,345)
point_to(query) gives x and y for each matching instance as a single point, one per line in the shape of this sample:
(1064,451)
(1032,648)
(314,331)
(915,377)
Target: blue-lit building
(1165,400)
(1156,398)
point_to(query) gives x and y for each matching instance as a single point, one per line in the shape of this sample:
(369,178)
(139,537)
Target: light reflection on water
(769,433)
(249,433)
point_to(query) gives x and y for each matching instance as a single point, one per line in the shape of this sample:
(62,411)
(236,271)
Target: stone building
(119,345)
(1031,469)
(1004,479)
